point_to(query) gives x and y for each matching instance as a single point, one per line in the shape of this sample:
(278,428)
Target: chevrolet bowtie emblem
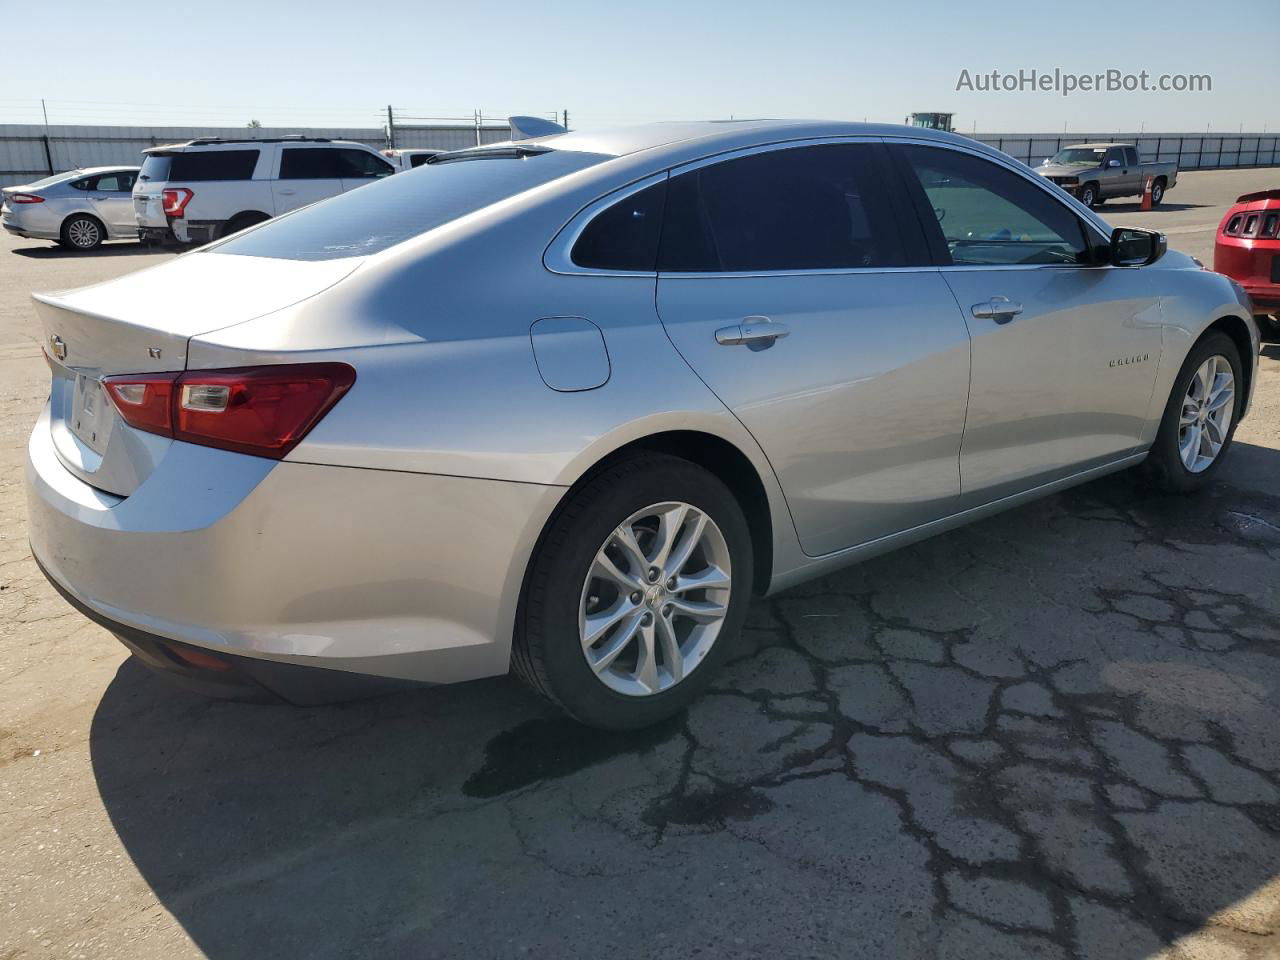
(58,346)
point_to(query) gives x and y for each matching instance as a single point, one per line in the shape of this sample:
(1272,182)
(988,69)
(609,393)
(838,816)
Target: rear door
(111,195)
(1064,352)
(361,166)
(793,284)
(307,174)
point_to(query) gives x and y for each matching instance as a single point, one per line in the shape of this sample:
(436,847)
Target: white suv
(205,189)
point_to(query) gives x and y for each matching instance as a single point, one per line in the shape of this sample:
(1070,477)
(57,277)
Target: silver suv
(201,190)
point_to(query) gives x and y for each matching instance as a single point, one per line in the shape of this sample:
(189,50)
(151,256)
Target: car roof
(709,135)
(109,169)
(1098,146)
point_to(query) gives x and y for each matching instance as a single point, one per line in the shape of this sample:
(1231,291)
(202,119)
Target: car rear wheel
(637,593)
(82,233)
(1089,195)
(242,221)
(1200,418)
(1157,192)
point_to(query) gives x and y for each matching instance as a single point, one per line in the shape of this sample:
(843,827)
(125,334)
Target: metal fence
(1191,151)
(31,151)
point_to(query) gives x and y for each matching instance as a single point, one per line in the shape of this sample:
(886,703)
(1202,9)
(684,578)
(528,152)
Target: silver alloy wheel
(1207,410)
(83,233)
(1157,192)
(655,598)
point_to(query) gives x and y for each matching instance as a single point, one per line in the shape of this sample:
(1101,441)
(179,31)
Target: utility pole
(391,129)
(477,121)
(566,118)
(48,151)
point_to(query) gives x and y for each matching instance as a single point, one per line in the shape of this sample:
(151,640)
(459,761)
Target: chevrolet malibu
(564,405)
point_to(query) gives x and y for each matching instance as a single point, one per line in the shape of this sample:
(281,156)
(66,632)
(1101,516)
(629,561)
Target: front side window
(990,216)
(310,163)
(625,236)
(356,164)
(822,207)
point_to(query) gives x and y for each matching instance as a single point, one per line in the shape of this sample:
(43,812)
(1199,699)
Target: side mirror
(1131,247)
(1113,163)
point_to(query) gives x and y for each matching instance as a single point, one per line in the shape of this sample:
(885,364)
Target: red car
(1248,250)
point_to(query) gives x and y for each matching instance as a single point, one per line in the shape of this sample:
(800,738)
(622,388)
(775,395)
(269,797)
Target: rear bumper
(389,574)
(28,232)
(230,677)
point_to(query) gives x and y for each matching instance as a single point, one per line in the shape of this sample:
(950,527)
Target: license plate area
(87,416)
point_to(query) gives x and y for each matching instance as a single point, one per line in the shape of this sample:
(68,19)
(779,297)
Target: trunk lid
(142,323)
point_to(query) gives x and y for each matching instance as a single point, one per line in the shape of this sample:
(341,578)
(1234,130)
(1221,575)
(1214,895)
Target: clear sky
(340,63)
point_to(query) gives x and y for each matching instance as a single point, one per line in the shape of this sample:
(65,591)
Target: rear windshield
(200,165)
(389,211)
(56,178)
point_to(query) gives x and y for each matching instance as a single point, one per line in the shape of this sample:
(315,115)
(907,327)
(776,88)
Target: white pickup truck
(201,190)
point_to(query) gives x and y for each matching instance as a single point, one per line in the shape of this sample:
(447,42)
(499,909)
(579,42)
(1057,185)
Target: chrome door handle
(999,309)
(100,198)
(752,330)
(286,193)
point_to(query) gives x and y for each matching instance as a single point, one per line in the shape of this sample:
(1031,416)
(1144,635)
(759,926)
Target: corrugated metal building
(29,151)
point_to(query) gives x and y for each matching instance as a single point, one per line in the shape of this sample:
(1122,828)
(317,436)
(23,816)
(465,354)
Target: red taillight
(175,200)
(25,198)
(263,411)
(145,401)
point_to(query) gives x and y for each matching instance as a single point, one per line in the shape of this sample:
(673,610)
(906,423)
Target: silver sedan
(79,208)
(565,405)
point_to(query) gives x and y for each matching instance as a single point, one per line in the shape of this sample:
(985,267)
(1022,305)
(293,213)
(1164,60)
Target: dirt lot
(1051,734)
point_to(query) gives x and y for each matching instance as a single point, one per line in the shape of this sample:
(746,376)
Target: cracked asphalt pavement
(1052,734)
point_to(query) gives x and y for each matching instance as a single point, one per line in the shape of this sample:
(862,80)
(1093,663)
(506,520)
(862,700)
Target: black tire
(1099,201)
(547,652)
(242,221)
(1157,191)
(1269,327)
(82,232)
(1163,464)
(1089,195)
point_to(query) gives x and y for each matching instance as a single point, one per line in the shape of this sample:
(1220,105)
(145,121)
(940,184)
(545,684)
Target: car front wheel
(637,594)
(1200,418)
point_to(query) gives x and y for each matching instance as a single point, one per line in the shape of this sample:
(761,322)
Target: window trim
(557,256)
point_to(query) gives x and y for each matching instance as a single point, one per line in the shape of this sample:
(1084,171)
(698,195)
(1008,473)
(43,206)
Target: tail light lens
(175,200)
(262,411)
(24,198)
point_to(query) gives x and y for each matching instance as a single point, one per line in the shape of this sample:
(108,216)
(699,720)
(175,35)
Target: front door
(307,174)
(1064,353)
(786,281)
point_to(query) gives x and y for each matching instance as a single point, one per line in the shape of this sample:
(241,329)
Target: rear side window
(1130,156)
(393,209)
(418,159)
(823,207)
(155,167)
(625,236)
(310,163)
(205,165)
(357,164)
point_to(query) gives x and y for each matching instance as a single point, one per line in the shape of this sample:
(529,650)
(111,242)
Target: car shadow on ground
(1136,207)
(1051,731)
(115,248)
